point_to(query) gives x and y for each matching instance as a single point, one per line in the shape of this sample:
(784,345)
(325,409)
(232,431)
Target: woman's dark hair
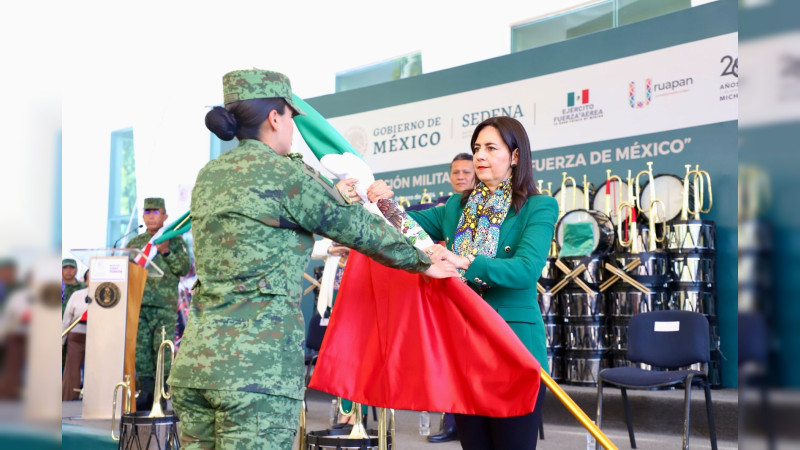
(515,137)
(242,119)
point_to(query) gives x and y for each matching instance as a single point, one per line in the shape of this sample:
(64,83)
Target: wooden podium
(116,286)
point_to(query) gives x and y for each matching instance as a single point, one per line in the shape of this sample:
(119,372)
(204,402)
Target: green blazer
(511,277)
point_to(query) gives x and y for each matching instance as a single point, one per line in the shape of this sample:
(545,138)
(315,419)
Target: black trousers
(501,433)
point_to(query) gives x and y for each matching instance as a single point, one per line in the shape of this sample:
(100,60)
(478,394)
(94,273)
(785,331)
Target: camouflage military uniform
(66,292)
(253,215)
(159,307)
(68,289)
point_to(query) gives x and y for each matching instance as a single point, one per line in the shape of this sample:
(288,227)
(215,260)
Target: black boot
(447,435)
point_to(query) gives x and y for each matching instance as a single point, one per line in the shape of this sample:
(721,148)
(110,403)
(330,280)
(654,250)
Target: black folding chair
(668,340)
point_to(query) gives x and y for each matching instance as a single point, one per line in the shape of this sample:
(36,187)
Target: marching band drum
(585,238)
(155,429)
(554,328)
(644,248)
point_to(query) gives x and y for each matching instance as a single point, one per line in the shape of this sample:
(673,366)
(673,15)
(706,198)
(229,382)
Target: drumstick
(311,279)
(566,279)
(540,288)
(627,278)
(564,268)
(631,265)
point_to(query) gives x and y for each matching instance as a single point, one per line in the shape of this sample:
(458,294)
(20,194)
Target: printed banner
(676,87)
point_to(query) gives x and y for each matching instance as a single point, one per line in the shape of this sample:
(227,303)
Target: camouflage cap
(69,262)
(256,83)
(154,203)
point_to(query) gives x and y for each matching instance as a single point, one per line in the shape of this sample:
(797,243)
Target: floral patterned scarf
(479,226)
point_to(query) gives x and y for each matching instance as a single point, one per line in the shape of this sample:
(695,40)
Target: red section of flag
(83,317)
(405,341)
(142,261)
(585,96)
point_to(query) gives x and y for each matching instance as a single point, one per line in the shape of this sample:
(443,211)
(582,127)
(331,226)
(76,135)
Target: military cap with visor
(257,83)
(69,262)
(154,203)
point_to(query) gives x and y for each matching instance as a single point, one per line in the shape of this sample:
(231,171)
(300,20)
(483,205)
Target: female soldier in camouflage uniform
(238,378)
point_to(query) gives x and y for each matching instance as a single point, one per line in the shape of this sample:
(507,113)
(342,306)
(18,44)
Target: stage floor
(561,432)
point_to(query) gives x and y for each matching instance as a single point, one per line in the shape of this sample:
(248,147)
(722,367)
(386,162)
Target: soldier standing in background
(160,299)
(238,380)
(69,284)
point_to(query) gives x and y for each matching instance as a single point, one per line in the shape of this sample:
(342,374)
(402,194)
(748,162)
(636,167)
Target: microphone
(126,235)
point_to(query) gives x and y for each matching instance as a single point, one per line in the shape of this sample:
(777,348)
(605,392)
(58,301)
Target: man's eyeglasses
(152,211)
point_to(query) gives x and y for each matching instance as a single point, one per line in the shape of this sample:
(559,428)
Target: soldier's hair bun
(221,122)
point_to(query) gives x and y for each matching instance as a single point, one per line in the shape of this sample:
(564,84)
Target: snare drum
(554,333)
(141,432)
(697,268)
(339,439)
(713,332)
(603,235)
(555,359)
(586,334)
(668,189)
(689,297)
(641,238)
(582,367)
(654,265)
(625,301)
(577,304)
(550,273)
(618,334)
(548,305)
(691,235)
(594,273)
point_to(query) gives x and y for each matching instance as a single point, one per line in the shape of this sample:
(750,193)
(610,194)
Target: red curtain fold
(405,341)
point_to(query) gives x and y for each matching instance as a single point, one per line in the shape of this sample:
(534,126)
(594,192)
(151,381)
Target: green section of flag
(320,135)
(176,228)
(571,99)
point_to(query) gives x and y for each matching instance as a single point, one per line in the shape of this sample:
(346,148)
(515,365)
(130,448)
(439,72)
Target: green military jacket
(509,279)
(254,213)
(162,292)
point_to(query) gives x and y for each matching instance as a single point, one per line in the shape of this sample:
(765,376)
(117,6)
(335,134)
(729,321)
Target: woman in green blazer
(498,236)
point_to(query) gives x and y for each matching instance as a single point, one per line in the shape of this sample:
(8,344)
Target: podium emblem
(107,295)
